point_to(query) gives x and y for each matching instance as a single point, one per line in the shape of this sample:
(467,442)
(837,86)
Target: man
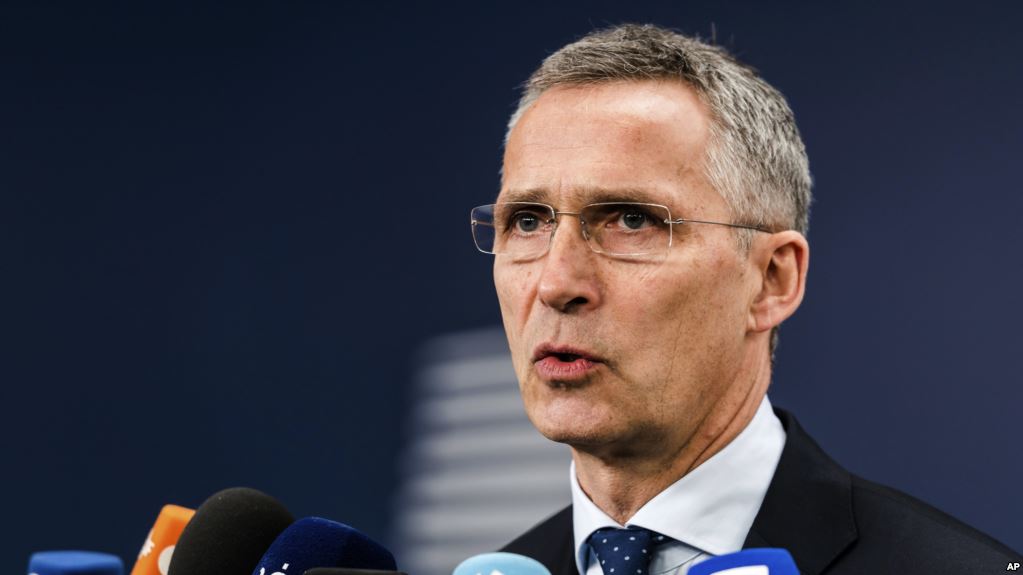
(649,239)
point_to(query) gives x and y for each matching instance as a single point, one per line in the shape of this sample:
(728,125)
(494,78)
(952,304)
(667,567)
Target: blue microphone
(74,563)
(316,542)
(764,561)
(501,564)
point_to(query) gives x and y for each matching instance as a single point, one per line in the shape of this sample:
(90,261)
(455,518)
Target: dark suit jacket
(830,520)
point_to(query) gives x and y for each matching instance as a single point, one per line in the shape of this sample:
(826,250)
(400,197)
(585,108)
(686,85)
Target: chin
(573,437)
(572,413)
(573,429)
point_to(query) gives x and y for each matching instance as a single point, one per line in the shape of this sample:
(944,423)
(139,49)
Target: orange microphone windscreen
(155,556)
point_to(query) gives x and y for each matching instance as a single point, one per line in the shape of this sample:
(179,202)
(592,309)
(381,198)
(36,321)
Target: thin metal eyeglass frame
(586,235)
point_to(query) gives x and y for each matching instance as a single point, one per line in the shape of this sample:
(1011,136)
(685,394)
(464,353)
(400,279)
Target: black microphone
(229,533)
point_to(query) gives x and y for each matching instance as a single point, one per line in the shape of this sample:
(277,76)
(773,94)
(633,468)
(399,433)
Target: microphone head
(316,542)
(74,563)
(229,533)
(350,571)
(156,553)
(501,563)
(763,561)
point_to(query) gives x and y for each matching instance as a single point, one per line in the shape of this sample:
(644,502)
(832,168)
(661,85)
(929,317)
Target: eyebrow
(588,195)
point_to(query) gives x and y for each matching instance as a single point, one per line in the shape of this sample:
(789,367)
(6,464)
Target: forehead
(580,195)
(623,141)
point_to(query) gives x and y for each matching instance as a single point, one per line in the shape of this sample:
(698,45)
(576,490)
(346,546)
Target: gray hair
(755,159)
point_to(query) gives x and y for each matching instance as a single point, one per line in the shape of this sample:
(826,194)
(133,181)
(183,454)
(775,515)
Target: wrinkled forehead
(577,197)
(617,142)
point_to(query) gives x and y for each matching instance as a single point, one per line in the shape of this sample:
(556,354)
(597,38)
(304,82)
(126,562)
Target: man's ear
(782,260)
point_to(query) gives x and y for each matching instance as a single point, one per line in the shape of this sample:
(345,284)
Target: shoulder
(838,523)
(906,529)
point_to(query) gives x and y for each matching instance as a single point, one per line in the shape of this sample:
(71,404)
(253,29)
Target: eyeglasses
(525,230)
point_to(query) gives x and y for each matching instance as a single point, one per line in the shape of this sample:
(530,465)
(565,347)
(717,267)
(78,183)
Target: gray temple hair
(755,158)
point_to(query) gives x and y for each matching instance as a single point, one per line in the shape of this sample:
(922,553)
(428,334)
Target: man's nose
(568,280)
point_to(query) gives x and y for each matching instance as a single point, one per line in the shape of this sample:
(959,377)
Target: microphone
(74,563)
(156,553)
(229,533)
(763,561)
(500,563)
(350,571)
(317,542)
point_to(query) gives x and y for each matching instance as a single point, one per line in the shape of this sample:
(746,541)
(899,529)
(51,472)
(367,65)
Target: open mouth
(563,367)
(555,360)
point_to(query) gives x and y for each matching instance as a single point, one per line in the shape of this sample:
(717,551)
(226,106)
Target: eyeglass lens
(524,230)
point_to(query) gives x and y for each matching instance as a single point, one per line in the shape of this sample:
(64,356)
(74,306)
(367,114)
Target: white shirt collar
(713,506)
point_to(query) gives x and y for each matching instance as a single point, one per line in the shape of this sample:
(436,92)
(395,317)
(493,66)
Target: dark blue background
(224,230)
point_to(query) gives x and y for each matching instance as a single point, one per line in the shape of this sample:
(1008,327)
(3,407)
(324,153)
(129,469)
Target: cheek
(509,290)
(706,316)
(675,310)
(513,286)
(653,302)
(674,336)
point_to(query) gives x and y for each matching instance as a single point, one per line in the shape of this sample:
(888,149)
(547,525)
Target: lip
(551,368)
(548,349)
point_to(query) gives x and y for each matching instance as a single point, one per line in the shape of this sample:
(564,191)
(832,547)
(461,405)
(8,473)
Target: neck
(620,486)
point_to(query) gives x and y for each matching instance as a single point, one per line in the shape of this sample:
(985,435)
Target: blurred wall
(226,227)
(475,472)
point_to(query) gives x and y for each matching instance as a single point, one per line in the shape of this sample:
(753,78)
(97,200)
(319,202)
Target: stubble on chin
(562,413)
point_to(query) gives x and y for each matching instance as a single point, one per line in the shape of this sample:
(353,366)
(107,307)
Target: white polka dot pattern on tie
(620,548)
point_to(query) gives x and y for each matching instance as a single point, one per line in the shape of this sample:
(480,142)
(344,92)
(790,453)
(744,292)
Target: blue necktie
(625,551)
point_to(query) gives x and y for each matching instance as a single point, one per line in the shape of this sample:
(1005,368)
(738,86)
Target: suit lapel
(551,543)
(808,506)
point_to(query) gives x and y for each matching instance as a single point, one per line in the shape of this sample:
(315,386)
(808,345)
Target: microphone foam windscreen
(156,553)
(74,563)
(350,571)
(764,561)
(504,563)
(229,533)
(317,542)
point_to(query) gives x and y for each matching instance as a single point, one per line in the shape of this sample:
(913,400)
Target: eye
(635,218)
(525,221)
